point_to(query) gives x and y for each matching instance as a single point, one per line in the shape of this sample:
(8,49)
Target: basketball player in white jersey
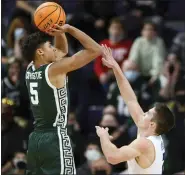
(145,154)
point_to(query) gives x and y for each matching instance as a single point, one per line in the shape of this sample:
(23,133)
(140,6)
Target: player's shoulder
(29,66)
(142,144)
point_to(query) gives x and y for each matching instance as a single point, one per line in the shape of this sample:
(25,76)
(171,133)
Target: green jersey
(49,104)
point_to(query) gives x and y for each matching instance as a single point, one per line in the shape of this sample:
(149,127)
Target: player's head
(158,120)
(116,30)
(149,30)
(37,47)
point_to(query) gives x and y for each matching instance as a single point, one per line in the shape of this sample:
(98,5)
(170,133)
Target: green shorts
(50,153)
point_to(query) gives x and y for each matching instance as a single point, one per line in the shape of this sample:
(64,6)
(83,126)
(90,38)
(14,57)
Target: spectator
(13,132)
(96,163)
(167,80)
(16,34)
(148,52)
(178,49)
(78,141)
(17,165)
(120,45)
(109,109)
(10,84)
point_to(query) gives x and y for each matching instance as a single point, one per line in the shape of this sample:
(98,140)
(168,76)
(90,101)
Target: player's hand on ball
(103,132)
(108,59)
(57,30)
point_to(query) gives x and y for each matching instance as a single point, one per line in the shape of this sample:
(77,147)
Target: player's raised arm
(91,50)
(61,44)
(116,155)
(125,89)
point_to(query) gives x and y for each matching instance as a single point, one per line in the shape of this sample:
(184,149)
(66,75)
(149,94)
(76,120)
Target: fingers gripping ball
(48,14)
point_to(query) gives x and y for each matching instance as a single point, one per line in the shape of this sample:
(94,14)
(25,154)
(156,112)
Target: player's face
(146,121)
(49,52)
(148,31)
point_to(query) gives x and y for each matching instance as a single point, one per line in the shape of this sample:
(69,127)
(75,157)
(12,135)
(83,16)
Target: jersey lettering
(34,93)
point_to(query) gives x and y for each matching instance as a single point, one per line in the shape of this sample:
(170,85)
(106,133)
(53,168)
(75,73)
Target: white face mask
(19,33)
(131,75)
(92,155)
(17,161)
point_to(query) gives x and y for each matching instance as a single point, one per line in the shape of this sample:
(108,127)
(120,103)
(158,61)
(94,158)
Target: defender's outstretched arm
(125,89)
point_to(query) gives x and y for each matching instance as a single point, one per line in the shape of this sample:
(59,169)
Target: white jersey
(157,165)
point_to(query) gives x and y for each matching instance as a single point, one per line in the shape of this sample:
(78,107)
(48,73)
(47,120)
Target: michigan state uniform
(49,148)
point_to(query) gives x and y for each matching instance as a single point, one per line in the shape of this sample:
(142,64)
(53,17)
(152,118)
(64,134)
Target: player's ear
(40,52)
(153,125)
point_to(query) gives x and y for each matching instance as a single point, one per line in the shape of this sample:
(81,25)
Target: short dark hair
(154,26)
(32,43)
(164,118)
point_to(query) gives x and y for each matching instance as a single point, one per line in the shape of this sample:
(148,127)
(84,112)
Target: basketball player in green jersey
(49,148)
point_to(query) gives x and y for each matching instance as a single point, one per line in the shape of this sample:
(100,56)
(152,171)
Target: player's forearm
(87,42)
(25,6)
(108,148)
(61,43)
(125,89)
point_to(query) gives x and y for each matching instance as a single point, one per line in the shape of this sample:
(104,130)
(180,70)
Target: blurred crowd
(148,42)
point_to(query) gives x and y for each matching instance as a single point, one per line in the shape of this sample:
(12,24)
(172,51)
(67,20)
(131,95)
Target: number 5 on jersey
(34,93)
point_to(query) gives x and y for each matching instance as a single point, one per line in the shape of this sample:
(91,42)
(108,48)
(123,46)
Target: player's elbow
(112,159)
(65,52)
(96,51)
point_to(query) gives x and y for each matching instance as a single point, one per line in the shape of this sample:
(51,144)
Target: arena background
(94,95)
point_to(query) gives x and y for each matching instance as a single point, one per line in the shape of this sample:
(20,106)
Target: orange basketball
(48,14)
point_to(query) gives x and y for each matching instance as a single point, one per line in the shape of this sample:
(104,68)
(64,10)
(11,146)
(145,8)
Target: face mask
(18,33)
(131,75)
(92,155)
(20,163)
(180,99)
(116,38)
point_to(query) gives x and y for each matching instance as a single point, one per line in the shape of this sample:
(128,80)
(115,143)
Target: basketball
(48,14)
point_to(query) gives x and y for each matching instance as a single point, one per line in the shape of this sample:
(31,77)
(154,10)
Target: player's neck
(37,64)
(145,133)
